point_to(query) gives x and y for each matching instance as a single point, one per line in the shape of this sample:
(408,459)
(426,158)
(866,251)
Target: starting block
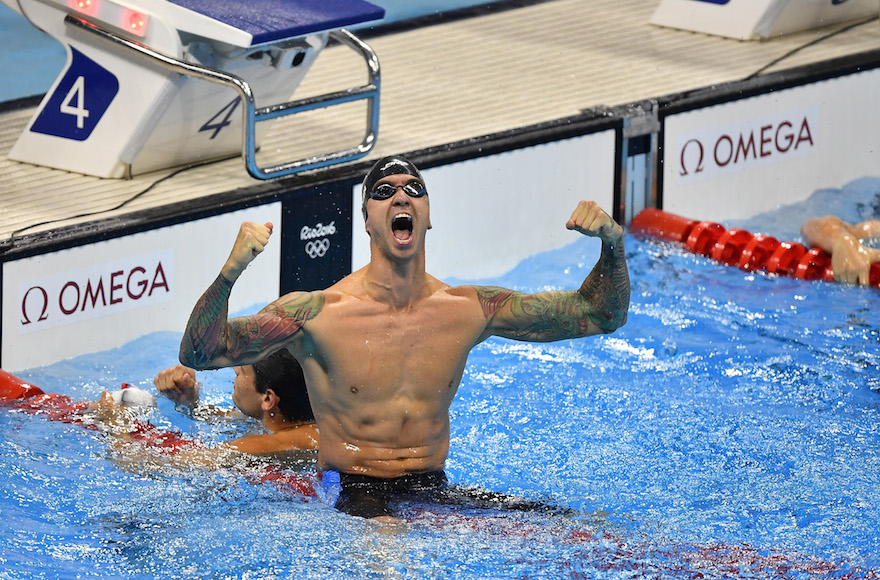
(759,19)
(153,84)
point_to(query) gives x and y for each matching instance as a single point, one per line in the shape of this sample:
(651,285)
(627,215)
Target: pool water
(730,429)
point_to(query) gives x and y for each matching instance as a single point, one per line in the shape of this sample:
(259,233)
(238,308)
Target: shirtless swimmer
(384,349)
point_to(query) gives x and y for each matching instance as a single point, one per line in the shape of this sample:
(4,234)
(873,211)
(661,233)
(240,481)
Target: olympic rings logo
(317,248)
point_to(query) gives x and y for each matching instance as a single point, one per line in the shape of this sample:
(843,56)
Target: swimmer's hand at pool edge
(850,260)
(250,243)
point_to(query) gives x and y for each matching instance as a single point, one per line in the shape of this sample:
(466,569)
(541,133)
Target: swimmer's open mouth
(402,227)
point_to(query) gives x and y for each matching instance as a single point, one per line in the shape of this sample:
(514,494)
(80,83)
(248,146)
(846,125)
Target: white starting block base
(154,84)
(759,19)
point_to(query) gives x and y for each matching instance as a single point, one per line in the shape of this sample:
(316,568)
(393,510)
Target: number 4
(216,123)
(77,92)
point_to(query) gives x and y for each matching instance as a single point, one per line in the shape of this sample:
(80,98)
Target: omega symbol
(24,301)
(699,166)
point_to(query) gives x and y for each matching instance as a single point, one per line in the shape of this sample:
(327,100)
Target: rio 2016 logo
(318,239)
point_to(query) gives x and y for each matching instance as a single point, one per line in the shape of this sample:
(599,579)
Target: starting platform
(153,84)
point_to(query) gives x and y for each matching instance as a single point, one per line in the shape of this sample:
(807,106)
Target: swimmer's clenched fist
(591,220)
(178,383)
(250,242)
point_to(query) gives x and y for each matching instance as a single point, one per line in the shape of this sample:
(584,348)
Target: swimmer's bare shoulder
(464,306)
(304,306)
(318,312)
(488,298)
(465,296)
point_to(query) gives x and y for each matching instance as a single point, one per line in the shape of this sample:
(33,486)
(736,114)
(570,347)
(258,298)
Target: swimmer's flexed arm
(599,306)
(212,341)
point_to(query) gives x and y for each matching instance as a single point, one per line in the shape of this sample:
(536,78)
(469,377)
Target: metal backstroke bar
(253,115)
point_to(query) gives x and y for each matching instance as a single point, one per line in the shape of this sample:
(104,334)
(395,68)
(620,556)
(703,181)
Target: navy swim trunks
(371,497)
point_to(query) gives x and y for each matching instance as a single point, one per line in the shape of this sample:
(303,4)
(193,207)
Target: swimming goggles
(386,190)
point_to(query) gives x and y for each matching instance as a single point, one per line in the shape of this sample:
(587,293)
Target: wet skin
(384,349)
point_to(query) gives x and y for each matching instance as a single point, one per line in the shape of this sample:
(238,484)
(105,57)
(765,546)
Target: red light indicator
(87,7)
(134,22)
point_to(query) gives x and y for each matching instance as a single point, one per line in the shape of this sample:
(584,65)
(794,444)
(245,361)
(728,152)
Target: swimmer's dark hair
(282,373)
(391,165)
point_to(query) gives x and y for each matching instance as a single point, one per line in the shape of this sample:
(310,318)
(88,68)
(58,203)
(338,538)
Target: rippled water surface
(730,429)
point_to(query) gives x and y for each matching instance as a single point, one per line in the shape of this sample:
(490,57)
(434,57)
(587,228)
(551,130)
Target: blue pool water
(730,429)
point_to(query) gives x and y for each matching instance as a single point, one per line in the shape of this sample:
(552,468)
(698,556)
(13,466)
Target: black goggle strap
(386,190)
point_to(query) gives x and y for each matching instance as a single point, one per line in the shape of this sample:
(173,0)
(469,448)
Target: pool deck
(452,79)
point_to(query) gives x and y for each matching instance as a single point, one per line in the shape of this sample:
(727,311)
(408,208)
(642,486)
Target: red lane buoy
(703,237)
(785,258)
(661,225)
(28,398)
(730,246)
(738,247)
(815,264)
(13,388)
(756,252)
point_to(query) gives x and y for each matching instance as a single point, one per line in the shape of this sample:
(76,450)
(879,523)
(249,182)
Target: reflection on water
(729,429)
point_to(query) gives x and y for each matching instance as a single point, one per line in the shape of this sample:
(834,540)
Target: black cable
(811,43)
(9,242)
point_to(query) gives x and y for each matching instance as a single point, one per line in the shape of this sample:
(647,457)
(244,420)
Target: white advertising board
(102,295)
(757,19)
(738,159)
(490,213)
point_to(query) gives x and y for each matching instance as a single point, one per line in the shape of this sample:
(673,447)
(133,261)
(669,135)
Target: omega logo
(73,297)
(733,149)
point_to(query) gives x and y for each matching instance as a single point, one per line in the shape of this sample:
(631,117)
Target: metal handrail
(253,115)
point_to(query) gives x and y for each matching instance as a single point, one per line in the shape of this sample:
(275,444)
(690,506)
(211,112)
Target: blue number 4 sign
(79,101)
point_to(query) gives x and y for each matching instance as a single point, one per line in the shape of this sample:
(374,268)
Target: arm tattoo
(607,288)
(546,316)
(600,305)
(491,298)
(543,316)
(272,325)
(210,338)
(206,326)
